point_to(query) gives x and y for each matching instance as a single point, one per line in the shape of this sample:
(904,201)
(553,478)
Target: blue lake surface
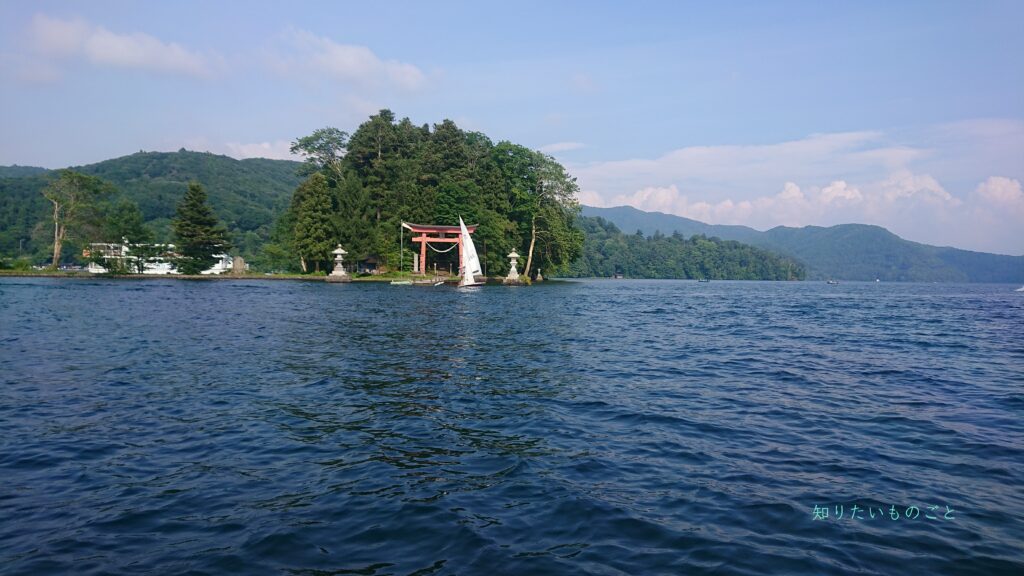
(597,427)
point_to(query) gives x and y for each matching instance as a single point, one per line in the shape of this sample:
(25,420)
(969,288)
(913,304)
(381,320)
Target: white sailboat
(470,261)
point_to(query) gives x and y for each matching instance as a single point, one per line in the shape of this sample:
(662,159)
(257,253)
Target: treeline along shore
(354,189)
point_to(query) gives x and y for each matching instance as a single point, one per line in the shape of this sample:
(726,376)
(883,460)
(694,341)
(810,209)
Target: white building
(162,263)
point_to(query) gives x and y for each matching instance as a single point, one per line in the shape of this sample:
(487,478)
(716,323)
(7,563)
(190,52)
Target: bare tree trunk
(533,240)
(57,235)
(302,261)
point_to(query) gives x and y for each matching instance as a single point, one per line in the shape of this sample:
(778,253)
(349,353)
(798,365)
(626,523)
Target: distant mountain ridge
(15,171)
(844,252)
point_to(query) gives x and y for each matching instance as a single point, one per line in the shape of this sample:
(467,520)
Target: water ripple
(624,427)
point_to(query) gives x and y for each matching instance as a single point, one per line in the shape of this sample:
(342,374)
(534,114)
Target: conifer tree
(198,232)
(314,229)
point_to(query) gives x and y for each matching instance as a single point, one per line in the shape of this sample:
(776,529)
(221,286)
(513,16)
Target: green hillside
(16,171)
(860,252)
(845,252)
(22,208)
(247,195)
(607,251)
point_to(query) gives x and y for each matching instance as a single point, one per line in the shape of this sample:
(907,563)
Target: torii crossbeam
(430,233)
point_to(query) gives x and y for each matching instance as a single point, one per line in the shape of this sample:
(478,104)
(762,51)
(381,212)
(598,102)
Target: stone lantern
(339,274)
(513,274)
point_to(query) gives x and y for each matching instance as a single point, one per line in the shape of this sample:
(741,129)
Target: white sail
(470,261)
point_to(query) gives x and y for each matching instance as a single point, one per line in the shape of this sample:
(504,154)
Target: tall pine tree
(198,232)
(314,229)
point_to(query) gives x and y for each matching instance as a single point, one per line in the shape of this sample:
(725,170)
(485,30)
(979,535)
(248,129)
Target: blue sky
(905,114)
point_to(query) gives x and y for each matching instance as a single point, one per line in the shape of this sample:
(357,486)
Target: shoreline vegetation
(357,190)
(283,216)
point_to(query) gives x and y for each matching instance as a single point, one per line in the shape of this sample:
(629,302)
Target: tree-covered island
(356,189)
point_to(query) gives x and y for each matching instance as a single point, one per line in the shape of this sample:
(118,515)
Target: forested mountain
(608,251)
(247,195)
(16,171)
(22,209)
(847,251)
(862,252)
(630,219)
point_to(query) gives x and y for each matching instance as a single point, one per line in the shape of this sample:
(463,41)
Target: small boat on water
(832,282)
(703,280)
(470,261)
(401,282)
(1021,289)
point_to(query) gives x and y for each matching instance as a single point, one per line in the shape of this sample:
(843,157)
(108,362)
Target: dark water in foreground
(163,427)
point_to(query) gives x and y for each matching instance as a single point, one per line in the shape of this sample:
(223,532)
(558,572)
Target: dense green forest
(845,251)
(389,171)
(608,251)
(247,195)
(16,171)
(359,189)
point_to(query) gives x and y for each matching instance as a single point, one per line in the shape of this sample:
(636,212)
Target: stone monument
(513,273)
(339,274)
(238,266)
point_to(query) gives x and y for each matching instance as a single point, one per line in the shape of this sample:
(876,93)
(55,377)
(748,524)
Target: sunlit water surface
(602,427)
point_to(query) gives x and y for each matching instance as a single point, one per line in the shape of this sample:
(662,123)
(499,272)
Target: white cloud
(836,202)
(734,184)
(592,198)
(56,39)
(304,50)
(921,184)
(747,170)
(143,51)
(993,215)
(904,184)
(654,198)
(1003,193)
(839,192)
(277,150)
(561,147)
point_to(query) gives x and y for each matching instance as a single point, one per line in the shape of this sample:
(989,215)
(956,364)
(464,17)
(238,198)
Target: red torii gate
(442,235)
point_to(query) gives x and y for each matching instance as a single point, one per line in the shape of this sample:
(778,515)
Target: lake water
(599,427)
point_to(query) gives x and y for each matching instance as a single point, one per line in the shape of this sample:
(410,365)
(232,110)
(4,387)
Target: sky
(909,115)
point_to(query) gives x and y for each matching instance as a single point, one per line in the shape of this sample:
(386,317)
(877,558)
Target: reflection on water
(596,427)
